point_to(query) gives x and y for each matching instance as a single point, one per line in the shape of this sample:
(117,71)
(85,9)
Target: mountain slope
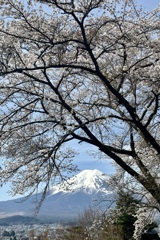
(89,181)
(64,201)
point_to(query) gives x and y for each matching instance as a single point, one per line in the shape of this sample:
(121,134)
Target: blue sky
(84,160)
(148,4)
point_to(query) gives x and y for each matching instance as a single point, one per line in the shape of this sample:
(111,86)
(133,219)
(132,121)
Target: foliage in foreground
(115,224)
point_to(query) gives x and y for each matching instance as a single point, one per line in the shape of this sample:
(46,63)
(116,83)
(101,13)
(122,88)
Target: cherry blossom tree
(146,208)
(82,70)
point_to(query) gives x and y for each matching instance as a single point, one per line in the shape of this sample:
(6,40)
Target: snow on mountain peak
(89,181)
(65,201)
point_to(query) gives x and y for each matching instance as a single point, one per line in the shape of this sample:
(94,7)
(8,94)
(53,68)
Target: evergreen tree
(126,206)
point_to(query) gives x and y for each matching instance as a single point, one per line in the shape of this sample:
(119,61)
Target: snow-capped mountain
(88,181)
(65,201)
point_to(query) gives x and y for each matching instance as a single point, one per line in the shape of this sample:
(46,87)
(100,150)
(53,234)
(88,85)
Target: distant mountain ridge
(15,220)
(64,201)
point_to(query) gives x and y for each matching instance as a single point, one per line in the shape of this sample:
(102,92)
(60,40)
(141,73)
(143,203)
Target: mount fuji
(65,201)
